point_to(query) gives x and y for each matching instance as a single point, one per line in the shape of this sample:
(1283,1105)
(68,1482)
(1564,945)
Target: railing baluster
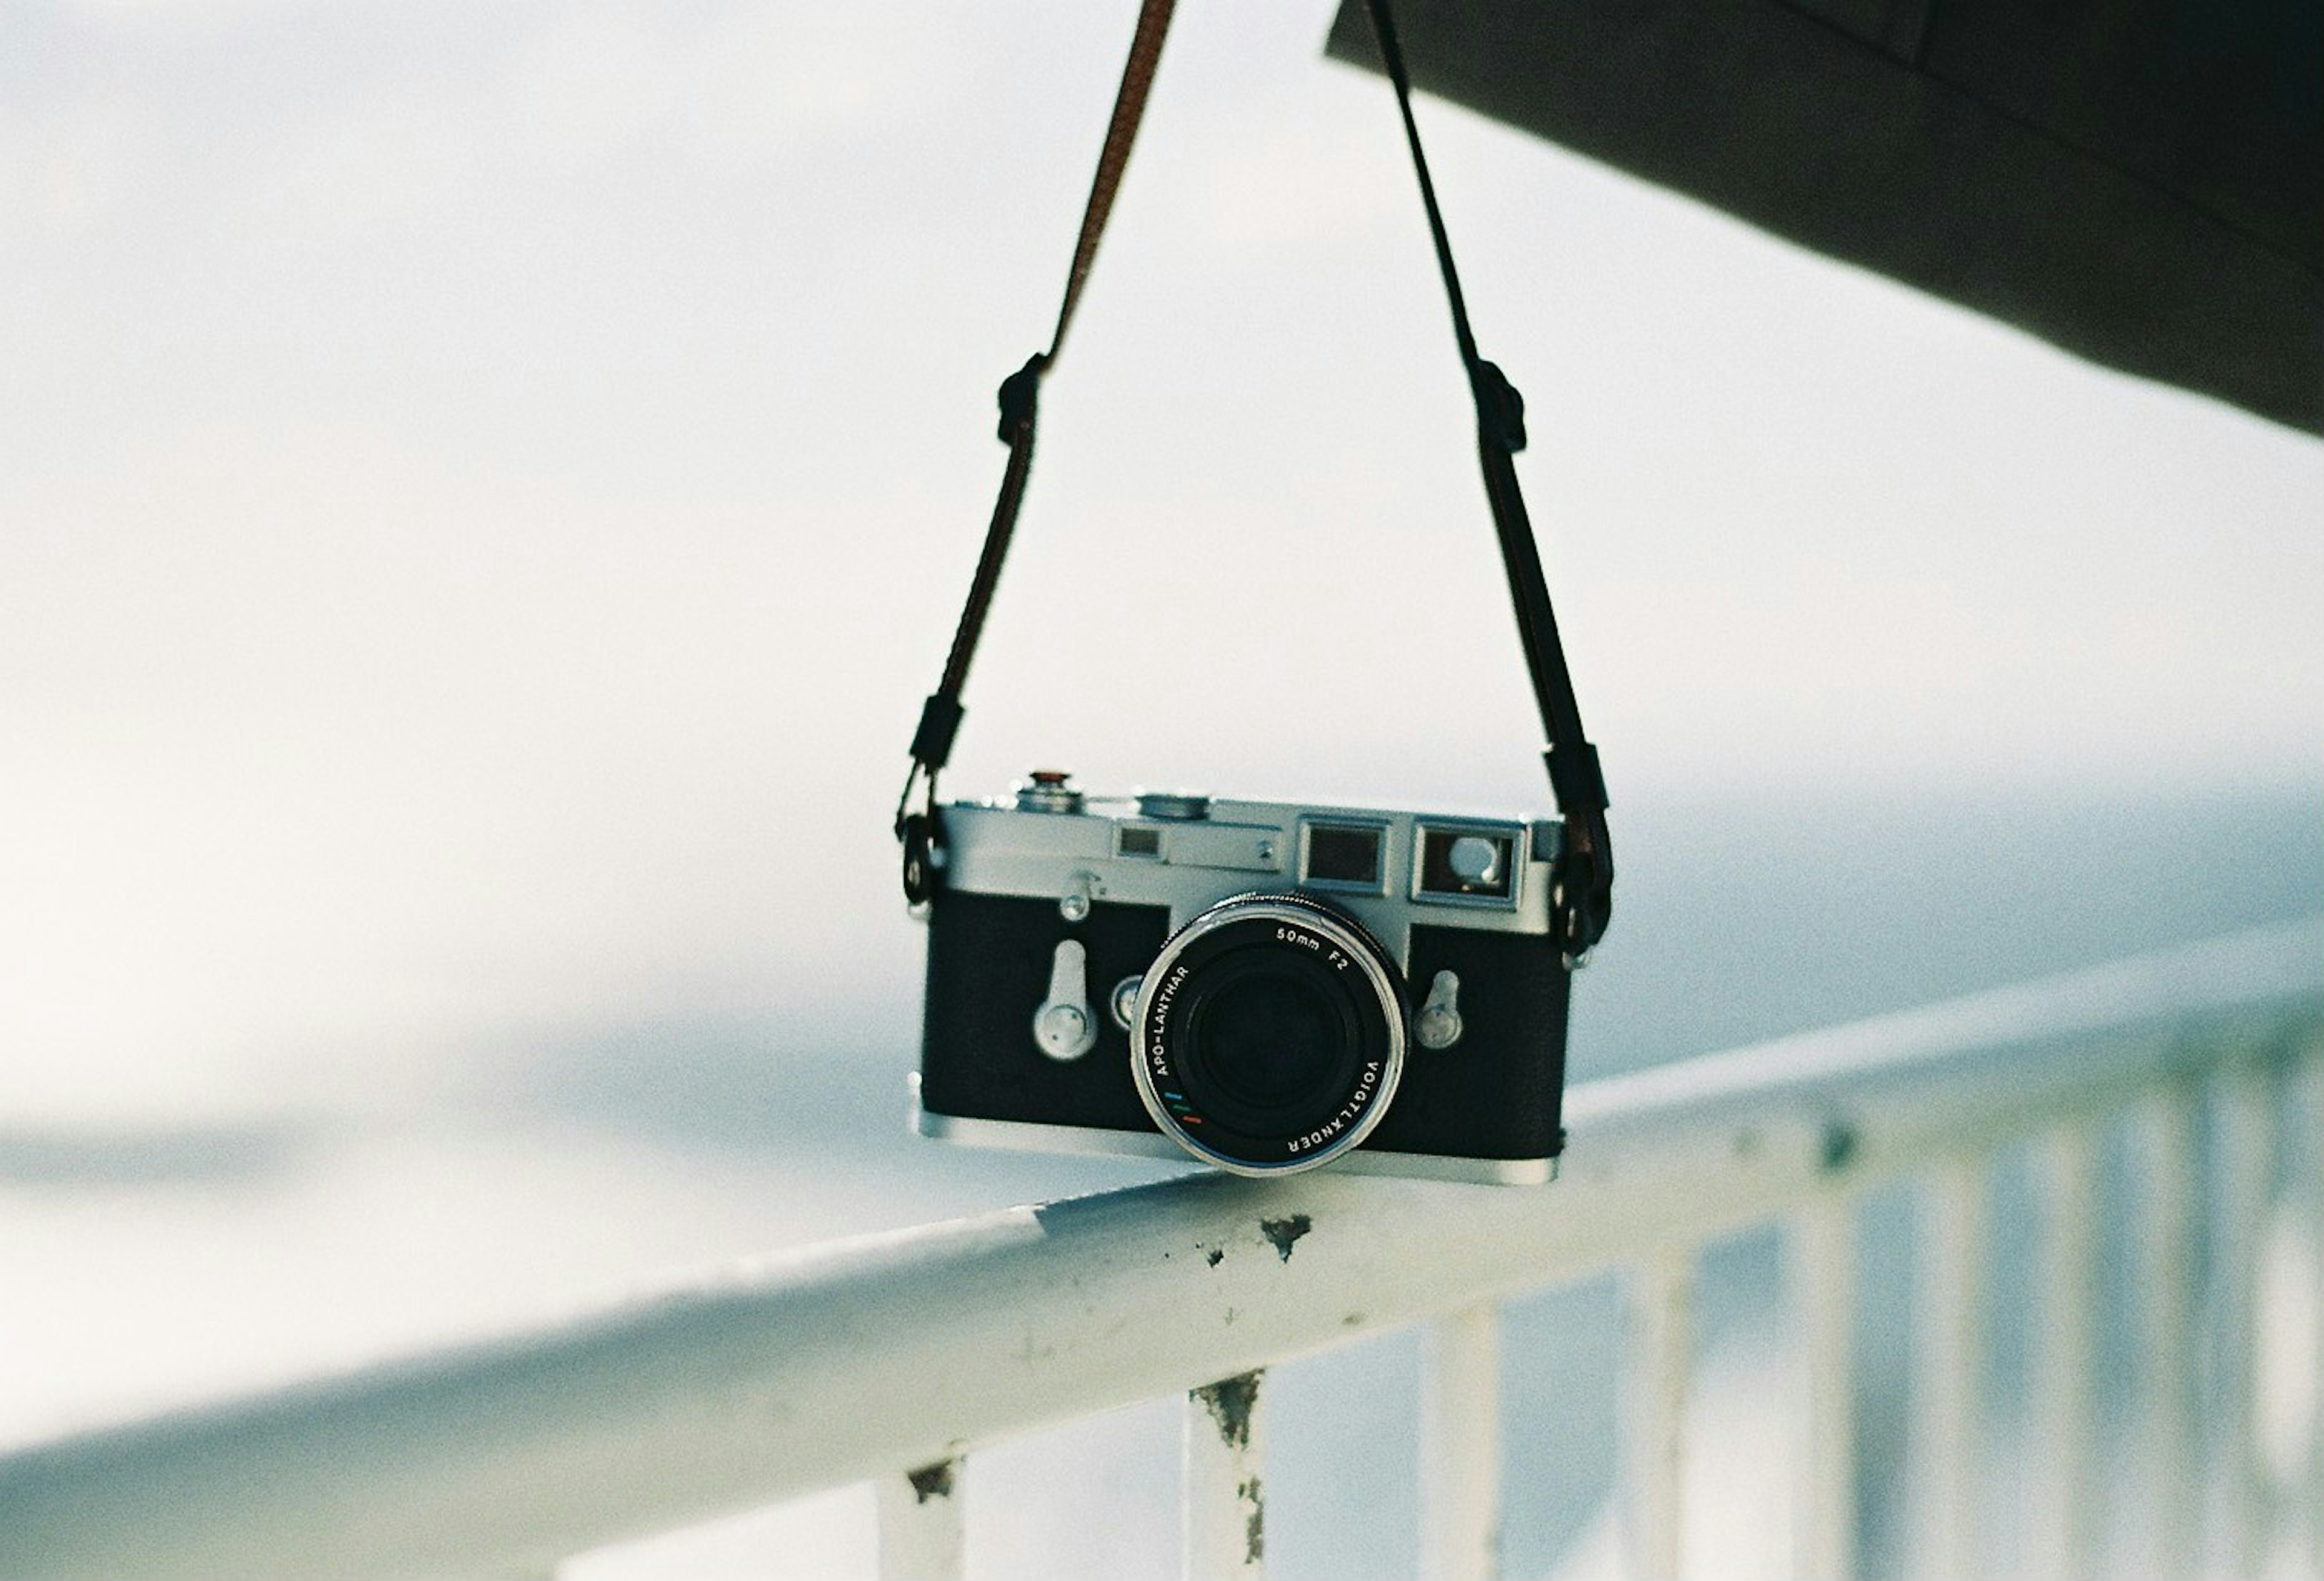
(1949,1372)
(2069,1509)
(2247,1164)
(2168,1296)
(1653,1411)
(1822,1243)
(1226,1504)
(922,1520)
(1461,1447)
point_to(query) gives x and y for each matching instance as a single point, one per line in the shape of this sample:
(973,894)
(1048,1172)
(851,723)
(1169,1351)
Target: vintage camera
(1266,986)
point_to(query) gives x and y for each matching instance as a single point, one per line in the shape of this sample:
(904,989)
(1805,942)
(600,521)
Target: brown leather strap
(1128,109)
(941,715)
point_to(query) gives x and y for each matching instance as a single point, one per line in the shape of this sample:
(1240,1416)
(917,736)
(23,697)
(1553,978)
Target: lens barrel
(1269,1035)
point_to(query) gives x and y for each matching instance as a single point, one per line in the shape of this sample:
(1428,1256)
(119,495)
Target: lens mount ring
(1319,983)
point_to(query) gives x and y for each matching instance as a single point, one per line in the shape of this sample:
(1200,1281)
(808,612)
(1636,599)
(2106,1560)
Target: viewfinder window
(1340,855)
(1141,843)
(1466,864)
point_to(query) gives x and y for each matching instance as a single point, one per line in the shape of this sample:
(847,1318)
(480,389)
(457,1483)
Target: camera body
(1266,986)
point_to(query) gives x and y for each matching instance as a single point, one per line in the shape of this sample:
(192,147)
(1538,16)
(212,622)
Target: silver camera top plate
(1185,852)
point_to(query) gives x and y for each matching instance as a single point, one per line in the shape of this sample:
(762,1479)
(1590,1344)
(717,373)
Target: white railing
(858,1361)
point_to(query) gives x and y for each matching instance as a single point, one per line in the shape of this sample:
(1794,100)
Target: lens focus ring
(1269,1034)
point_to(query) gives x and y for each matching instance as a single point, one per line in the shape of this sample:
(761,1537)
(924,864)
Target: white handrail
(786,1374)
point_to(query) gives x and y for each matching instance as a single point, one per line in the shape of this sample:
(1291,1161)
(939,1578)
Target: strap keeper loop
(940,719)
(1021,395)
(1500,409)
(1575,778)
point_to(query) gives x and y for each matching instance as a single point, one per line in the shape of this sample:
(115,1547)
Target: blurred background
(484,489)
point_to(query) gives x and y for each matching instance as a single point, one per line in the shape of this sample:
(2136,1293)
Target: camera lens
(1269,1034)
(1259,1045)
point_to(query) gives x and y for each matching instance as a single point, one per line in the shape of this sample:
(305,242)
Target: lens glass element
(1270,1033)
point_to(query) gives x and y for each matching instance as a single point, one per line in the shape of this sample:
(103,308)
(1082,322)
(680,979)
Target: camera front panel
(1495,1093)
(988,966)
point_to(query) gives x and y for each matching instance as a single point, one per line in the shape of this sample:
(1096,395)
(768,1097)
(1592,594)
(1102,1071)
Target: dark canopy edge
(1849,147)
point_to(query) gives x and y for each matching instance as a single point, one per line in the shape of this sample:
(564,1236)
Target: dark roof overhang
(2138,181)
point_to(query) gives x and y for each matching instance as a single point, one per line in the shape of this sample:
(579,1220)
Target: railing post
(2168,1299)
(1823,1243)
(1653,1411)
(2247,1165)
(1226,1504)
(2067,1525)
(1951,1363)
(1461,1448)
(922,1521)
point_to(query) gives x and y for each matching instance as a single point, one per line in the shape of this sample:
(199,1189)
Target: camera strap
(1583,897)
(940,716)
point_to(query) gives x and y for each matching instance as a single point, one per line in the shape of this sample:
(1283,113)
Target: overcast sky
(482,490)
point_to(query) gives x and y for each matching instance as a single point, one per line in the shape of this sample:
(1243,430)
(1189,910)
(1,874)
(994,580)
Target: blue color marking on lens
(1179,1095)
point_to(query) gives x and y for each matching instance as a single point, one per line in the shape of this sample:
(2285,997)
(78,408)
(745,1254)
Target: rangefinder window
(1340,856)
(1134,841)
(1467,864)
